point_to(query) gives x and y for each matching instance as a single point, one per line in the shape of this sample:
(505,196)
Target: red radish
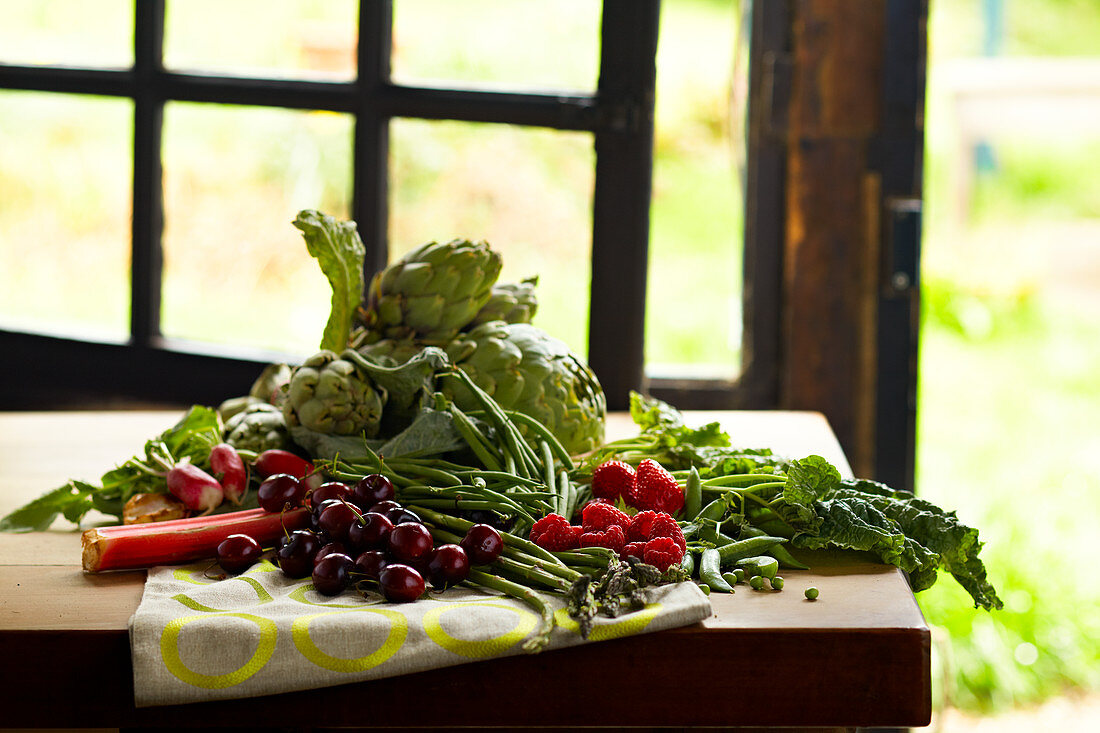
(274,461)
(198,490)
(230,471)
(181,540)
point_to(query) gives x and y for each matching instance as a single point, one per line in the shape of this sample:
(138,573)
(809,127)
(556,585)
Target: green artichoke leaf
(406,385)
(432,432)
(329,446)
(340,252)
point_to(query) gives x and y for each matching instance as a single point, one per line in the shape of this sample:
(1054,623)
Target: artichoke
(430,294)
(330,395)
(510,302)
(526,369)
(259,427)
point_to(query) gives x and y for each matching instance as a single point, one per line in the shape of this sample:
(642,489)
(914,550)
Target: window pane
(65,172)
(525,43)
(528,192)
(236,271)
(262,38)
(67,32)
(693,313)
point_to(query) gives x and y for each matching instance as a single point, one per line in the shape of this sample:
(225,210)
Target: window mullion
(370,174)
(146,269)
(620,215)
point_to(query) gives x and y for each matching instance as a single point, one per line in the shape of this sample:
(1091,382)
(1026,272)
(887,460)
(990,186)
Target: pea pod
(693,495)
(710,571)
(779,552)
(741,549)
(688,564)
(763,565)
(715,510)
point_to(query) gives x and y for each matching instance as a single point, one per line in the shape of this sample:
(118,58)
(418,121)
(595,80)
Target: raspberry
(655,488)
(599,516)
(612,479)
(613,538)
(662,553)
(553,532)
(665,526)
(640,526)
(633,549)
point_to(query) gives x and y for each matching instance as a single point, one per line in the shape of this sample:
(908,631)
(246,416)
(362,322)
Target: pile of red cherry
(359,533)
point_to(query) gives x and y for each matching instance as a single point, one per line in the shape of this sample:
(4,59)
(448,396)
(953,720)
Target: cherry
(328,491)
(448,566)
(332,574)
(330,548)
(279,491)
(372,489)
(401,515)
(335,520)
(384,506)
(409,542)
(400,583)
(297,552)
(482,544)
(370,563)
(370,532)
(238,552)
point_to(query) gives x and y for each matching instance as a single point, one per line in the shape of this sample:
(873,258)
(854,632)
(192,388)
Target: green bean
(544,433)
(760,565)
(693,495)
(479,443)
(742,479)
(710,571)
(746,548)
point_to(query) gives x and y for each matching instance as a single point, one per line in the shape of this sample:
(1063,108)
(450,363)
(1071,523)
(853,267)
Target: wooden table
(858,656)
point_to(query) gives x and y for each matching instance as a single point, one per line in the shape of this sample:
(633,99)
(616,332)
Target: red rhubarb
(178,541)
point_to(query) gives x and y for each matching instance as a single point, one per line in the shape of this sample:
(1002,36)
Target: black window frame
(76,373)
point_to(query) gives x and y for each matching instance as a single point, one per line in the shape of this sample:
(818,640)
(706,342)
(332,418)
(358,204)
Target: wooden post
(833,254)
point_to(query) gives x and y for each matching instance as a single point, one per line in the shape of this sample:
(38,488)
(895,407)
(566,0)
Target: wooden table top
(858,656)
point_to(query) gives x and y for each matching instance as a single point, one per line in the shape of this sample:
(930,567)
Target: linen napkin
(195,639)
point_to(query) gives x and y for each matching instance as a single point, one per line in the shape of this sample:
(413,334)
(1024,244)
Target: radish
(274,461)
(198,490)
(230,471)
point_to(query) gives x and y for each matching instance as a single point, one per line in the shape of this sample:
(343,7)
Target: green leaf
(911,533)
(340,252)
(431,433)
(810,479)
(38,515)
(407,385)
(650,413)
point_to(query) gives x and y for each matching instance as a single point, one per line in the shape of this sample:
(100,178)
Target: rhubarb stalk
(129,547)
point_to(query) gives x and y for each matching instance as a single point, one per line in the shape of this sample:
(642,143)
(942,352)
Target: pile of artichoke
(444,296)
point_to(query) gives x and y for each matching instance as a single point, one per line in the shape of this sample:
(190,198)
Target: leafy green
(816,506)
(192,437)
(903,530)
(340,252)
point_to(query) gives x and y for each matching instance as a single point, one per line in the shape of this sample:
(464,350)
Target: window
(373,113)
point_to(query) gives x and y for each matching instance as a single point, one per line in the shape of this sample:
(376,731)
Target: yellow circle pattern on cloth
(633,623)
(399,629)
(169,649)
(483,648)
